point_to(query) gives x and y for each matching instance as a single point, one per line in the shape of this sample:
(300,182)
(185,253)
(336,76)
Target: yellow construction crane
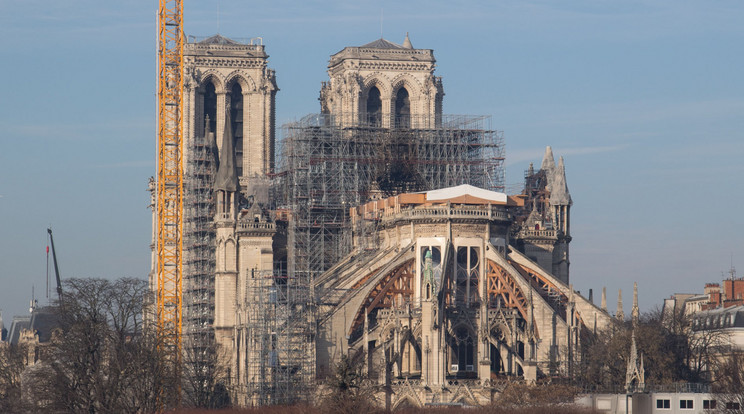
(170,190)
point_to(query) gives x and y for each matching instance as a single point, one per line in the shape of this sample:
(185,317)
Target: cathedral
(384,235)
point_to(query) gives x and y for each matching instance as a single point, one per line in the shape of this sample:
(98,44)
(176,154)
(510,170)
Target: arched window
(462,352)
(402,109)
(236,115)
(467,275)
(210,106)
(374,106)
(436,270)
(496,365)
(411,357)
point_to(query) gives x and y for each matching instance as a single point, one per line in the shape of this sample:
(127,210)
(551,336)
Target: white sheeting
(465,189)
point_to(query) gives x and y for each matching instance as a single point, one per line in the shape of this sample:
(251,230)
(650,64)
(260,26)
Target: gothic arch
(462,342)
(406,401)
(245,81)
(395,287)
(551,293)
(230,255)
(383,84)
(411,344)
(215,78)
(503,290)
(413,86)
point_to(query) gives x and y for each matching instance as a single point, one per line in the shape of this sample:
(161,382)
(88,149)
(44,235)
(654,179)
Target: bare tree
(545,395)
(13,361)
(204,377)
(103,360)
(672,351)
(351,390)
(728,384)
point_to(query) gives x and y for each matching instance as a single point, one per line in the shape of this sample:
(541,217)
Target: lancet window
(374,106)
(402,109)
(236,117)
(462,352)
(210,106)
(467,276)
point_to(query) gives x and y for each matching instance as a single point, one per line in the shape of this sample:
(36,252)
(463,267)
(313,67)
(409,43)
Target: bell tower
(227,77)
(383,84)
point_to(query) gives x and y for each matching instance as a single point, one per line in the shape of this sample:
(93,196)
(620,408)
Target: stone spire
(548,162)
(559,195)
(407,43)
(635,313)
(635,374)
(429,283)
(620,315)
(604,299)
(227,174)
(211,142)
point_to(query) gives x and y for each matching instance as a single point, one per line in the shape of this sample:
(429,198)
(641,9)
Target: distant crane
(56,269)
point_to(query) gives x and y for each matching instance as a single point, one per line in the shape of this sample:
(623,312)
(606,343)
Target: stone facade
(229,137)
(445,293)
(439,309)
(219,74)
(543,227)
(383,83)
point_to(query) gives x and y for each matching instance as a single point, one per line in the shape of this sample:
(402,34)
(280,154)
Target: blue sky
(644,99)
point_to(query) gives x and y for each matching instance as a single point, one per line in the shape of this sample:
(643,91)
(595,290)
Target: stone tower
(228,151)
(229,90)
(383,84)
(543,229)
(223,75)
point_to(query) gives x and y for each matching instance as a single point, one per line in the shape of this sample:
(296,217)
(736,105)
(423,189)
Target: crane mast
(170,187)
(56,269)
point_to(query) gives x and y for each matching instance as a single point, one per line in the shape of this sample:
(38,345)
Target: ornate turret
(548,162)
(559,195)
(543,226)
(635,373)
(407,42)
(620,315)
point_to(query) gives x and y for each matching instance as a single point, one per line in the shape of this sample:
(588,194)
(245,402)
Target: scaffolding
(279,336)
(199,252)
(324,169)
(327,166)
